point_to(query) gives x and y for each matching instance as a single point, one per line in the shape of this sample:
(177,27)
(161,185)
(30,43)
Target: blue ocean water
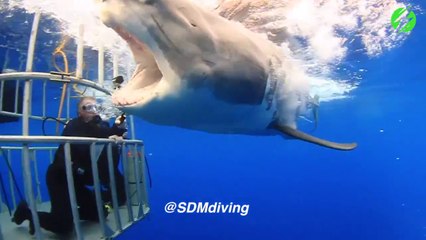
(297,190)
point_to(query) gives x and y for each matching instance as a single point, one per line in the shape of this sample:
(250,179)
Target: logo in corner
(407,24)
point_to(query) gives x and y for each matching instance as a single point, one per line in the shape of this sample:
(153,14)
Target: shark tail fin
(309,138)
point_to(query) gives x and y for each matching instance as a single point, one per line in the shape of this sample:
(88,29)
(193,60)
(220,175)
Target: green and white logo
(397,19)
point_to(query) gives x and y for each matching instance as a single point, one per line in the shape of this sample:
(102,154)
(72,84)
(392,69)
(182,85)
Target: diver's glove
(77,169)
(116,138)
(80,171)
(82,174)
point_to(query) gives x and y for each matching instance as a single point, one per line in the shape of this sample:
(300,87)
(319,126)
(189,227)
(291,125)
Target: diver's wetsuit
(60,219)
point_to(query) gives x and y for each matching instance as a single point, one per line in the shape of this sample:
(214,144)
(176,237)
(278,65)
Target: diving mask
(93,108)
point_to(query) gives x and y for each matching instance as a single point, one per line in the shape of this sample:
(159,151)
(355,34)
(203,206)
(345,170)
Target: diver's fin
(309,138)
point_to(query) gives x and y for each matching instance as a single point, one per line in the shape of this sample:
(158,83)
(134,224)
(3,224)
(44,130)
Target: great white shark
(198,70)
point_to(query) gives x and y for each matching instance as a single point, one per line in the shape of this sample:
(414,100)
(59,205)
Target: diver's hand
(116,138)
(80,171)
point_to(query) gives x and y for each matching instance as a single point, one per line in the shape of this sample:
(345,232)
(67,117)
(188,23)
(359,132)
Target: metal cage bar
(26,111)
(71,191)
(113,187)
(94,158)
(36,175)
(125,160)
(97,145)
(12,191)
(1,94)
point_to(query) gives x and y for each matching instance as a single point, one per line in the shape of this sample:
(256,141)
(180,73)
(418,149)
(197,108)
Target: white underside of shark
(197,70)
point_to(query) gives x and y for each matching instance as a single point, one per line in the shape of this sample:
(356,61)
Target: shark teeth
(127,96)
(147,72)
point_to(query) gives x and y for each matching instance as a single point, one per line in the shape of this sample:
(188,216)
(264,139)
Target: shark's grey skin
(197,70)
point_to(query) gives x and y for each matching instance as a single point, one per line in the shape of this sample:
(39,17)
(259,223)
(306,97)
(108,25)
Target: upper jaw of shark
(147,72)
(150,66)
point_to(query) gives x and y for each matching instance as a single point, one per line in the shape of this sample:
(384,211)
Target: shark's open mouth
(147,73)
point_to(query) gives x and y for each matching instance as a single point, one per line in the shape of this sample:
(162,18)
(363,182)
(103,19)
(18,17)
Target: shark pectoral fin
(309,138)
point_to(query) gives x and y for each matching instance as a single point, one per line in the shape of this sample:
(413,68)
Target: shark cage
(24,154)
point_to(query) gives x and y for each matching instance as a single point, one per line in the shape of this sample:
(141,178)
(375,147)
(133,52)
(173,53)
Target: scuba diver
(60,220)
